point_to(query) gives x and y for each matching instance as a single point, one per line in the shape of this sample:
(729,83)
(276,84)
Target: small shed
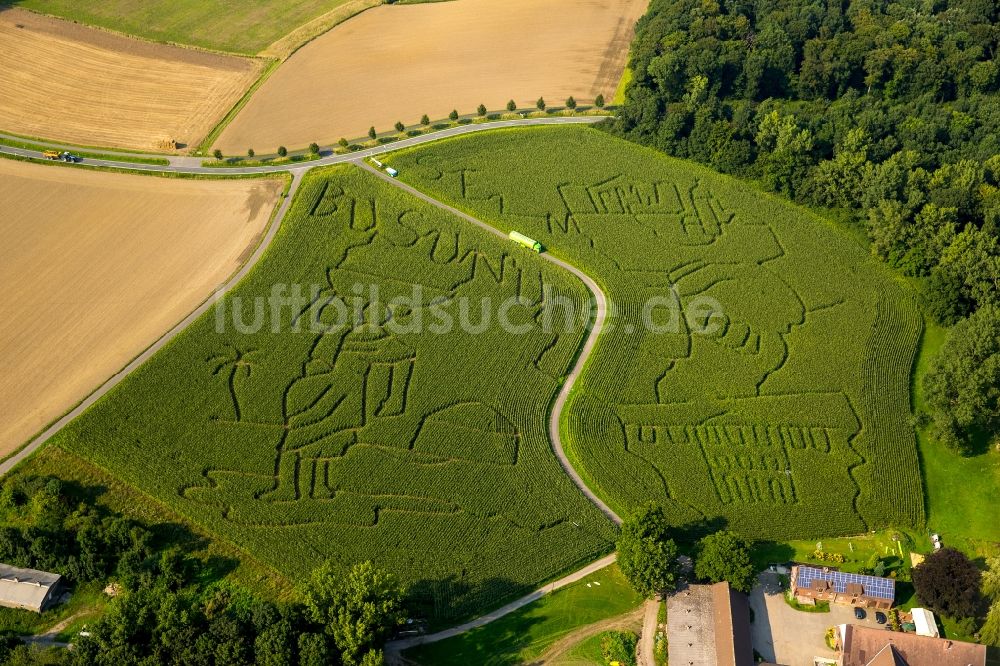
(28,589)
(925,623)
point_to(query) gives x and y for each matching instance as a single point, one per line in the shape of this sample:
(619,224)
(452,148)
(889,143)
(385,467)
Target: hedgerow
(424,452)
(791,419)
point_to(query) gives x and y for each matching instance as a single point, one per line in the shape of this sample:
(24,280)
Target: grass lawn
(585,653)
(858,553)
(211,24)
(961,490)
(619,97)
(525,634)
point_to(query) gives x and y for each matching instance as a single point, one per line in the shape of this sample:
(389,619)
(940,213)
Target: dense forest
(886,110)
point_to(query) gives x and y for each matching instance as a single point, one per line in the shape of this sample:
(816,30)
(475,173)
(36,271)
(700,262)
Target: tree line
(885,110)
(164,611)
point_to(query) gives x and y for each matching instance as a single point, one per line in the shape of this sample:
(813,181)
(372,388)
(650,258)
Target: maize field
(276,426)
(755,367)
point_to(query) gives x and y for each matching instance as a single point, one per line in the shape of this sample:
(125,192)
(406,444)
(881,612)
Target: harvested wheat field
(85,86)
(396,62)
(97,266)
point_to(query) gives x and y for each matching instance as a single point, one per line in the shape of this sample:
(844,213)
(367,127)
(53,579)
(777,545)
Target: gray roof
(709,625)
(25,588)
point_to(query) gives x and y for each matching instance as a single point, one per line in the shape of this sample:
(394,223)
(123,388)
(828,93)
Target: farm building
(28,589)
(842,588)
(867,646)
(709,625)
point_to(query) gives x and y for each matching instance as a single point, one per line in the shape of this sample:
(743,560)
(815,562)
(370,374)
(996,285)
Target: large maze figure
(694,403)
(349,402)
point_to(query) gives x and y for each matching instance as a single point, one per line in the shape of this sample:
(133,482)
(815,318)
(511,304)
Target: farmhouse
(842,588)
(709,625)
(866,646)
(28,589)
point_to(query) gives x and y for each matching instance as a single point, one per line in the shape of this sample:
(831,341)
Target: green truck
(521,239)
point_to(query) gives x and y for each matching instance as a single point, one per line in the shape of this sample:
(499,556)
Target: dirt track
(396,62)
(86,86)
(96,266)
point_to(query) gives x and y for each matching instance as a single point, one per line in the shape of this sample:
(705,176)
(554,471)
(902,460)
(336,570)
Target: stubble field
(96,266)
(396,62)
(89,87)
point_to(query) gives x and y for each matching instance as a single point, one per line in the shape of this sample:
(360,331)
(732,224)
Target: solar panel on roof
(882,588)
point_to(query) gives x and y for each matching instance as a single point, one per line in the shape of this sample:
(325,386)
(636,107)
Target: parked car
(860,613)
(880,617)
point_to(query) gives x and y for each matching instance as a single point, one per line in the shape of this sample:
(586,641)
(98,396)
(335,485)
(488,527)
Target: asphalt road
(191,165)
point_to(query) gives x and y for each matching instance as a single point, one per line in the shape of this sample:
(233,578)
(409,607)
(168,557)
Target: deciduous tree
(724,556)
(948,583)
(647,556)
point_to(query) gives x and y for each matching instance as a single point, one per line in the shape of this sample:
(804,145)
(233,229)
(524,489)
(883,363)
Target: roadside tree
(647,556)
(724,556)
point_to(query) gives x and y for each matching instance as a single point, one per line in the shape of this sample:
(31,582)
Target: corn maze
(299,437)
(755,368)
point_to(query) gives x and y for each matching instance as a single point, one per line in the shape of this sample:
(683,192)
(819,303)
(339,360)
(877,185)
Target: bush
(961,386)
(343,142)
(619,646)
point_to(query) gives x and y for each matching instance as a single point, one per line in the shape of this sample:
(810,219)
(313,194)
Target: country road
(192,165)
(182,166)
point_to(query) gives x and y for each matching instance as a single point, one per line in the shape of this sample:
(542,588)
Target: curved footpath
(395,647)
(184,166)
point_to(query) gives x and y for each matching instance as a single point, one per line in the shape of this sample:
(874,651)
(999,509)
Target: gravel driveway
(785,636)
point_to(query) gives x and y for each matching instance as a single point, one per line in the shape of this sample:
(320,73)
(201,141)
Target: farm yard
(426,453)
(788,417)
(210,24)
(67,82)
(394,63)
(97,266)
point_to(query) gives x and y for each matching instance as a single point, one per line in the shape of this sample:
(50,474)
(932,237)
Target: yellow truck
(521,239)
